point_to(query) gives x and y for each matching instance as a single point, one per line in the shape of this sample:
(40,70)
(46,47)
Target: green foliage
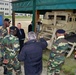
(45,58)
(19,17)
(8,17)
(69,66)
(46,54)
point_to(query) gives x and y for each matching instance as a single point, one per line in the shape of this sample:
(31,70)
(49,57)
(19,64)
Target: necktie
(20,32)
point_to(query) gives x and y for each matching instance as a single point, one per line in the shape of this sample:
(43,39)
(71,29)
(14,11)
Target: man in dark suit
(31,54)
(30,27)
(21,35)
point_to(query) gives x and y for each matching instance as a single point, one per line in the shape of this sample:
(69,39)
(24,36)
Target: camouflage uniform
(3,33)
(57,56)
(10,49)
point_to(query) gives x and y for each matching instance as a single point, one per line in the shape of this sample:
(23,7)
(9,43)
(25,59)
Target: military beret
(60,31)
(6,19)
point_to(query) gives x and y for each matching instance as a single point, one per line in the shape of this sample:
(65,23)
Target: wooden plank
(70,52)
(53,35)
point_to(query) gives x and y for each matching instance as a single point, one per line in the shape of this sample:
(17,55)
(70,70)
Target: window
(1,8)
(6,3)
(1,3)
(70,19)
(6,13)
(50,16)
(61,17)
(6,8)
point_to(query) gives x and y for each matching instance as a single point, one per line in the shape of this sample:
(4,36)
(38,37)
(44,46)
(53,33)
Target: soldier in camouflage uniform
(4,30)
(57,54)
(10,50)
(3,33)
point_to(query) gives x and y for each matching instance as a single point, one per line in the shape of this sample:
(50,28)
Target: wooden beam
(13,18)
(36,18)
(37,15)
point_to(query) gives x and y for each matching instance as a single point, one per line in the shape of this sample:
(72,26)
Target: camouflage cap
(60,31)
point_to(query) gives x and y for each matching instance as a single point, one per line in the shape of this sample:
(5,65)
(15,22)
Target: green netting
(27,5)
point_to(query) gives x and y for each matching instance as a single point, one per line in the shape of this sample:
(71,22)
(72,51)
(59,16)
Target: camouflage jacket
(59,48)
(10,47)
(3,32)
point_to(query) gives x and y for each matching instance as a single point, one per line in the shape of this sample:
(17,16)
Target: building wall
(6,8)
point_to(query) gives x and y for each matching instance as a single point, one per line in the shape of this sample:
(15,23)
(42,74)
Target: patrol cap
(13,30)
(60,31)
(6,19)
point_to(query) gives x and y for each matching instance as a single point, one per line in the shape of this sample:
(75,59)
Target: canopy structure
(30,6)
(27,5)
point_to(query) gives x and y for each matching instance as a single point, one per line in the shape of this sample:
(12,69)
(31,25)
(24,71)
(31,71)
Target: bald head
(32,35)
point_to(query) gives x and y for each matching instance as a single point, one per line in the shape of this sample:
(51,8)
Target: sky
(9,0)
(5,0)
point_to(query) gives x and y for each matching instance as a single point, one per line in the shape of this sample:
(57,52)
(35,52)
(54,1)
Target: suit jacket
(21,34)
(30,28)
(31,54)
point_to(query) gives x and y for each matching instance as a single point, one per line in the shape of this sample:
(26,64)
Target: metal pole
(34,14)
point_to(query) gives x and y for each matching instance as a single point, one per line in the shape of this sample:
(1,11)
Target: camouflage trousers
(1,59)
(54,67)
(15,66)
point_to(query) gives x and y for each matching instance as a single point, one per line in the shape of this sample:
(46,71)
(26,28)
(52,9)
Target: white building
(6,8)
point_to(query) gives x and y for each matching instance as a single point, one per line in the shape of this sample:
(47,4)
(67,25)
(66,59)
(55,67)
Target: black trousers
(21,44)
(5,69)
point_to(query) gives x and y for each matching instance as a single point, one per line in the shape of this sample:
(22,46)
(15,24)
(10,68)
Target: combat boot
(57,74)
